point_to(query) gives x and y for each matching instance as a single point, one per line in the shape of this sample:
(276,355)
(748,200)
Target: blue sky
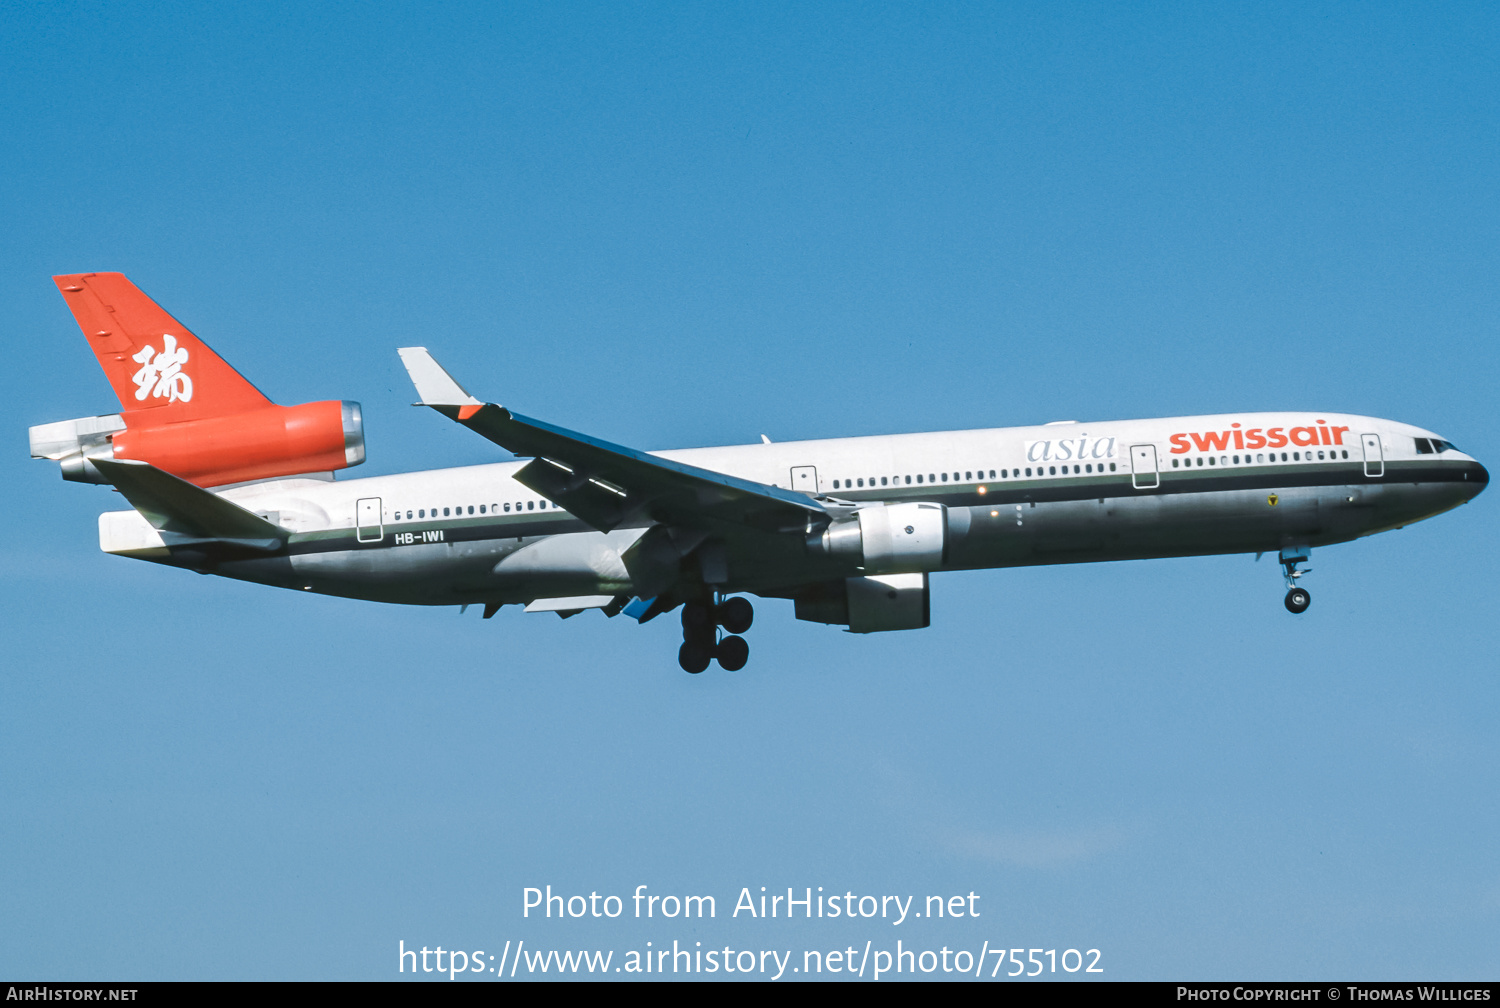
(684,225)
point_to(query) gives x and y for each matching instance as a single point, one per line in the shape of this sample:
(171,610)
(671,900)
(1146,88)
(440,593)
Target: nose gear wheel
(1297,598)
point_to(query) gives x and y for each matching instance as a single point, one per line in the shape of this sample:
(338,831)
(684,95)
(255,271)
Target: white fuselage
(1064,492)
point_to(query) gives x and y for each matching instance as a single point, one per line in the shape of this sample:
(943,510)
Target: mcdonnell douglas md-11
(221,480)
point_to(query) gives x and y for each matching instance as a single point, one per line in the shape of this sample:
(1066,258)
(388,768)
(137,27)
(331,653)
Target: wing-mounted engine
(212,451)
(869,604)
(886,538)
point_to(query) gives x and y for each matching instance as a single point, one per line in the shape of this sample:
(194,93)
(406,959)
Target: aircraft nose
(1475,478)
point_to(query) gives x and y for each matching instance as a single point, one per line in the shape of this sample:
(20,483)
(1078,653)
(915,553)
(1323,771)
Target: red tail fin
(153,362)
(186,411)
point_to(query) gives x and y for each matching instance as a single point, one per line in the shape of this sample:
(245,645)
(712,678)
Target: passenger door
(805,479)
(1374,459)
(1143,472)
(368,526)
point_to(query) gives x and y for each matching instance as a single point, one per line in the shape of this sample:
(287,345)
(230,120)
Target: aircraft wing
(608,485)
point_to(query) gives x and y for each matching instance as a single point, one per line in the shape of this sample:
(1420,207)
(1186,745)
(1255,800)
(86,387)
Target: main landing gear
(1297,598)
(701,644)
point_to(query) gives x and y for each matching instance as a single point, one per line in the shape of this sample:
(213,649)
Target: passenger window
(1028,470)
(445,512)
(1052,470)
(883,481)
(835,484)
(908,480)
(531,505)
(992,474)
(945,477)
(931,478)
(968,476)
(1346,454)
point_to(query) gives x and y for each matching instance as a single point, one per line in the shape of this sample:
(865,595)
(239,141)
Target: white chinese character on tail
(161,374)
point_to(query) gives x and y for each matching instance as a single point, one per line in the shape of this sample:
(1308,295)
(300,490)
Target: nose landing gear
(1297,598)
(701,620)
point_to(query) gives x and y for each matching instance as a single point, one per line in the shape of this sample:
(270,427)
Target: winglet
(435,387)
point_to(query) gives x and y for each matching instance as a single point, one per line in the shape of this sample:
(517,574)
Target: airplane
(221,480)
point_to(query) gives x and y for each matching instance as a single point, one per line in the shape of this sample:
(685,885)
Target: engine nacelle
(213,451)
(73,442)
(870,604)
(887,538)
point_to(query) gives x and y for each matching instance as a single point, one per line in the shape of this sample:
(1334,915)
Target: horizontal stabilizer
(184,512)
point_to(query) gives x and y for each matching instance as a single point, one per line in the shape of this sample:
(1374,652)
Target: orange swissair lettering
(1258,437)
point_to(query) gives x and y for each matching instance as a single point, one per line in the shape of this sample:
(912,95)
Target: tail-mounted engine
(257,444)
(886,538)
(186,411)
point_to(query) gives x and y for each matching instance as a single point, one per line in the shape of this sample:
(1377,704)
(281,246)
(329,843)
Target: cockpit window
(1443,446)
(1424,446)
